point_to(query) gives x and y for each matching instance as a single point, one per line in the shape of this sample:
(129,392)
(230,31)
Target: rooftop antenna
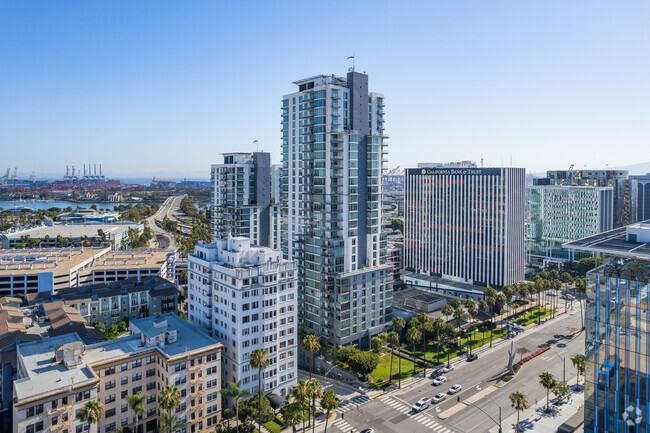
(352,57)
(481,160)
(257,148)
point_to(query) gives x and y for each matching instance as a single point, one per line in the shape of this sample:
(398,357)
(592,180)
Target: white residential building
(332,161)
(246,296)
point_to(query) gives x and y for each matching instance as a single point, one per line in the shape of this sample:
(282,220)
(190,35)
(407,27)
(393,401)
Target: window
(125,380)
(109,399)
(151,385)
(110,427)
(124,408)
(109,413)
(136,363)
(124,366)
(151,372)
(136,376)
(109,370)
(109,384)
(151,359)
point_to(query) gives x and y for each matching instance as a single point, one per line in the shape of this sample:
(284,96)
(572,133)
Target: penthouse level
(58,376)
(51,269)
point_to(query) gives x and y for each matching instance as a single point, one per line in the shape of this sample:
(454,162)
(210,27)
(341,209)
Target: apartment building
(48,270)
(247,297)
(57,376)
(333,145)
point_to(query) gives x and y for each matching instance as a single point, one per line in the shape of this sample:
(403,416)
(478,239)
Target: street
(167,209)
(392,412)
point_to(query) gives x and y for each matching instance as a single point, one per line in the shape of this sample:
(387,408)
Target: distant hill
(641,168)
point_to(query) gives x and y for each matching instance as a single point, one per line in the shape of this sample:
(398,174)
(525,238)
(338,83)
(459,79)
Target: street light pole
(484,412)
(564,366)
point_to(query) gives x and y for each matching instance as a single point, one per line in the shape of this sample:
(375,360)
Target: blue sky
(164,87)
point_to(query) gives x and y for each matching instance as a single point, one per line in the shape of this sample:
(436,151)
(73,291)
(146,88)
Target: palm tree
(169,399)
(413,335)
(579,363)
(470,306)
(136,403)
(547,380)
(483,306)
(259,359)
(310,344)
(518,402)
(393,342)
(300,394)
(171,423)
(581,288)
(315,391)
(329,402)
(92,412)
(235,391)
(292,415)
(398,325)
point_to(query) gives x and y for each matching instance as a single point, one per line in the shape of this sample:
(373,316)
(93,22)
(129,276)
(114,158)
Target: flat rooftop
(45,375)
(613,242)
(63,260)
(73,230)
(409,299)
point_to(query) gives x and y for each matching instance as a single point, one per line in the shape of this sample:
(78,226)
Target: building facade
(333,144)
(243,198)
(466,225)
(643,196)
(58,376)
(247,297)
(625,193)
(559,214)
(617,338)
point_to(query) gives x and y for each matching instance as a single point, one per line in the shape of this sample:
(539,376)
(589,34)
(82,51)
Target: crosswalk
(423,419)
(352,403)
(344,426)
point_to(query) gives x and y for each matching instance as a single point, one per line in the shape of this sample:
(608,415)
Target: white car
(439,397)
(422,404)
(448,368)
(439,380)
(454,389)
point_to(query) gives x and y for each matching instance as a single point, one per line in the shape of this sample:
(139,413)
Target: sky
(163,87)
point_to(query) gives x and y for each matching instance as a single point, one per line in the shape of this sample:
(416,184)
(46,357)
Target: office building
(115,234)
(247,297)
(57,376)
(642,185)
(50,269)
(559,214)
(242,198)
(617,337)
(625,194)
(465,225)
(332,160)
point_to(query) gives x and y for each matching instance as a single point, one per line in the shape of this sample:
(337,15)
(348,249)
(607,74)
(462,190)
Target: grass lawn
(435,353)
(382,372)
(532,316)
(273,427)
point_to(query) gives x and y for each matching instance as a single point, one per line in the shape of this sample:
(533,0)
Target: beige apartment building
(56,377)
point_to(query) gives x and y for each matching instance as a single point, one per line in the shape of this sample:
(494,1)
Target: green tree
(345,353)
(521,351)
(259,359)
(100,327)
(393,343)
(315,391)
(587,264)
(581,288)
(329,403)
(236,392)
(547,380)
(363,363)
(398,325)
(413,335)
(136,403)
(292,415)
(300,393)
(561,389)
(397,224)
(91,412)
(169,399)
(579,363)
(170,423)
(518,402)
(310,344)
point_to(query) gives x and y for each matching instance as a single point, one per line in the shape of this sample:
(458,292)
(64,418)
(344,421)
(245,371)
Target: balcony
(61,424)
(195,367)
(59,409)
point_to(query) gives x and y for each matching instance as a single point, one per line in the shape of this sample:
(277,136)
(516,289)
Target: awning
(276,401)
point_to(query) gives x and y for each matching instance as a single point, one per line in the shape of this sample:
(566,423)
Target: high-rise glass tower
(245,198)
(332,148)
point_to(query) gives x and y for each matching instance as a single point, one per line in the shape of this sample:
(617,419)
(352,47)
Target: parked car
(454,389)
(367,430)
(422,404)
(439,380)
(448,368)
(439,397)
(471,357)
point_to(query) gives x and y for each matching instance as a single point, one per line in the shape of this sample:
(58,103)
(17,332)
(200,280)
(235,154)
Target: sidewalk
(535,419)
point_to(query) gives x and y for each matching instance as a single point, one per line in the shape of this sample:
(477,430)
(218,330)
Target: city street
(167,209)
(391,412)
